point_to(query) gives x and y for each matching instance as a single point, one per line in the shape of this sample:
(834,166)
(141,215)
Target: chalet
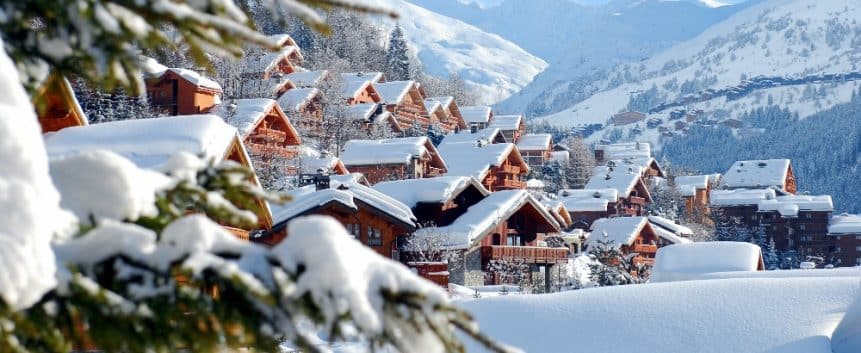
(263,126)
(633,194)
(153,143)
(371,113)
(629,234)
(453,120)
(264,64)
(483,136)
(670,232)
(585,206)
(308,79)
(634,154)
(406,103)
(537,149)
(695,190)
(845,229)
(511,126)
(436,201)
(305,106)
(180,91)
(497,166)
(359,87)
(759,174)
(435,112)
(627,118)
(373,218)
(798,223)
(57,106)
(559,212)
(696,261)
(505,225)
(739,204)
(394,159)
(477,117)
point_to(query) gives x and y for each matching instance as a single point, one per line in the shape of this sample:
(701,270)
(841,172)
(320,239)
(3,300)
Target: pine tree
(580,164)
(398,65)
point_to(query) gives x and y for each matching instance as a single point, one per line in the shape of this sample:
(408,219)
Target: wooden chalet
(845,229)
(505,225)
(632,192)
(373,218)
(483,136)
(759,174)
(585,206)
(435,113)
(629,234)
(695,190)
(394,159)
(308,79)
(181,92)
(511,126)
(359,87)
(263,127)
(305,107)
(477,117)
(259,63)
(452,120)
(670,232)
(632,154)
(153,143)
(537,149)
(496,166)
(406,103)
(436,201)
(56,105)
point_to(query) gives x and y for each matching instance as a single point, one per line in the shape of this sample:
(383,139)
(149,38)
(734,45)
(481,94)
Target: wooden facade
(444,213)
(427,164)
(273,135)
(366,93)
(509,175)
(173,94)
(56,105)
(414,169)
(409,109)
(452,120)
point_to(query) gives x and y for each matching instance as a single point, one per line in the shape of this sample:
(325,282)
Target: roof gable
(757,173)
(470,159)
(619,230)
(476,114)
(57,106)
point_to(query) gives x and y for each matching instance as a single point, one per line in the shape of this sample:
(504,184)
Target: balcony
(530,254)
(270,135)
(638,200)
(644,248)
(644,261)
(270,150)
(509,184)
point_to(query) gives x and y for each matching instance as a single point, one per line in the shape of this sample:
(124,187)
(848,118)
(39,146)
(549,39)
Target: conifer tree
(397,56)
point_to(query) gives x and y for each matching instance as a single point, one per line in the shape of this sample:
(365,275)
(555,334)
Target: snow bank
(29,203)
(104,185)
(682,262)
(776,315)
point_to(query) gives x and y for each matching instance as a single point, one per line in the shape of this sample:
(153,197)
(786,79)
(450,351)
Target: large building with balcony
(393,159)
(405,102)
(497,166)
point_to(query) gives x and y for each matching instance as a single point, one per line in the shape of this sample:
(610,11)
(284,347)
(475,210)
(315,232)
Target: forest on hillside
(825,148)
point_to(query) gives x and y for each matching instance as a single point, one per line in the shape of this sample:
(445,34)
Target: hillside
(783,39)
(496,66)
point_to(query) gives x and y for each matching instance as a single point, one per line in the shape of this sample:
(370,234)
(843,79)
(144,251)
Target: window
(858,248)
(355,230)
(375,237)
(802,227)
(808,216)
(513,240)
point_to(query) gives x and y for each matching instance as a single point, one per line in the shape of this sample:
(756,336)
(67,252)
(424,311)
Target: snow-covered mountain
(496,66)
(581,41)
(774,53)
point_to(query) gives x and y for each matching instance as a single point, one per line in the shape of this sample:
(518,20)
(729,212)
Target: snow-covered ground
(774,314)
(497,67)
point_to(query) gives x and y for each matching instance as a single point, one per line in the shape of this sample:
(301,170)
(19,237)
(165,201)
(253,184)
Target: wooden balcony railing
(644,261)
(530,254)
(270,135)
(644,248)
(638,201)
(509,170)
(511,184)
(272,150)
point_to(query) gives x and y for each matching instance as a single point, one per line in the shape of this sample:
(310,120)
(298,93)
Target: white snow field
(736,315)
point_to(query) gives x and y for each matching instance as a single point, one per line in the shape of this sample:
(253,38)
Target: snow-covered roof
(151,68)
(395,91)
(468,159)
(305,79)
(534,142)
(669,230)
(588,200)
(297,98)
(480,219)
(265,61)
(619,230)
(431,105)
(505,122)
(311,164)
(388,151)
(475,114)
(362,111)
(373,77)
(845,224)
(623,179)
(195,78)
(625,150)
(740,197)
(757,174)
(411,192)
(263,87)
(445,101)
(788,206)
(534,184)
(689,184)
(148,143)
(245,114)
(681,262)
(346,193)
(486,135)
